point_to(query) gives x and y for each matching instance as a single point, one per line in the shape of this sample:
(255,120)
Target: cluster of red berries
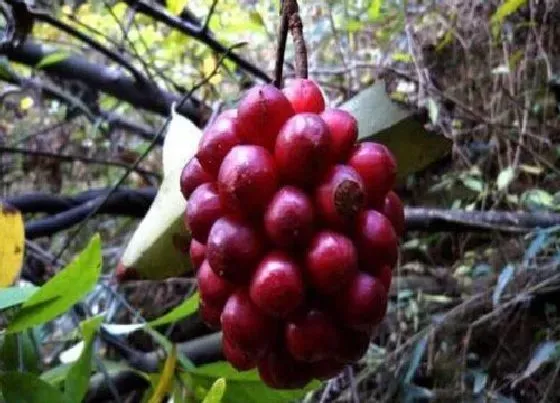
(294,229)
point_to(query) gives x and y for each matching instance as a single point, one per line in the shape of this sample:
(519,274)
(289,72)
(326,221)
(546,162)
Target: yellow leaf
(11,245)
(26,103)
(176,6)
(209,65)
(166,379)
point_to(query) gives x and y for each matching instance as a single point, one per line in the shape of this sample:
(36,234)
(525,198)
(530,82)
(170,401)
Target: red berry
(326,369)
(203,209)
(197,253)
(213,289)
(344,132)
(302,149)
(305,96)
(218,138)
(247,180)
(261,113)
(385,276)
(210,315)
(192,176)
(312,337)
(331,261)
(340,196)
(394,211)
(353,346)
(233,249)
(363,303)
(277,286)
(377,167)
(376,241)
(246,326)
(289,218)
(280,371)
(238,358)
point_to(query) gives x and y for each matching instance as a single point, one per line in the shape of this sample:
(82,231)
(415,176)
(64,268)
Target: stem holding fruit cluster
(290,21)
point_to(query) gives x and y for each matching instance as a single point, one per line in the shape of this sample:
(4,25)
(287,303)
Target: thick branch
(158,13)
(110,81)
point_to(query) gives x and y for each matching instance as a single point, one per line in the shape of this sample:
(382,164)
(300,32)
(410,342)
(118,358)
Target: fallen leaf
(12,244)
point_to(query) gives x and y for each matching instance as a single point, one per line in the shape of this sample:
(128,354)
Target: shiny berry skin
(233,250)
(331,261)
(326,369)
(247,180)
(377,167)
(217,140)
(393,209)
(197,253)
(213,289)
(261,113)
(302,149)
(353,346)
(289,218)
(277,286)
(237,357)
(363,303)
(210,315)
(245,326)
(376,241)
(311,337)
(385,276)
(203,209)
(340,196)
(305,96)
(192,176)
(280,371)
(344,132)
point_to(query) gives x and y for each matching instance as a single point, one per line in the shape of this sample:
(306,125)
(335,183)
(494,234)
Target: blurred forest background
(86,87)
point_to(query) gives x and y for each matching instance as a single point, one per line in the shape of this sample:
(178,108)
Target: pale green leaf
(186,308)
(175,7)
(374,10)
(505,178)
(27,388)
(12,296)
(503,280)
(216,392)
(52,58)
(166,379)
(507,8)
(62,291)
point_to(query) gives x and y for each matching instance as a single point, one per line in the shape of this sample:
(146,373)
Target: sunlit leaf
(505,178)
(216,392)
(374,10)
(25,103)
(62,291)
(12,296)
(537,199)
(11,245)
(28,388)
(52,58)
(503,280)
(175,7)
(256,18)
(166,380)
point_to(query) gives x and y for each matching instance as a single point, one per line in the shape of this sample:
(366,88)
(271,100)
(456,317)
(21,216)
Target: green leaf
(77,381)
(12,296)
(503,281)
(537,199)
(505,178)
(6,71)
(244,387)
(158,248)
(509,7)
(256,18)
(52,58)
(23,387)
(10,352)
(62,291)
(216,392)
(175,7)
(374,10)
(472,183)
(186,308)
(384,121)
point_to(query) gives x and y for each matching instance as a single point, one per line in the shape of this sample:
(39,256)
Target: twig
(102,202)
(281,45)
(290,21)
(209,16)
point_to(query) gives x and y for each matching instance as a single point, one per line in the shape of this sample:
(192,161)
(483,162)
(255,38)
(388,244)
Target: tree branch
(158,13)
(76,67)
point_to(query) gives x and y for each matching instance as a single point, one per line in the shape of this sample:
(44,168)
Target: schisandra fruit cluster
(294,233)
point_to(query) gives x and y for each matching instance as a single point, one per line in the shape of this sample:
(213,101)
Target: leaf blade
(12,245)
